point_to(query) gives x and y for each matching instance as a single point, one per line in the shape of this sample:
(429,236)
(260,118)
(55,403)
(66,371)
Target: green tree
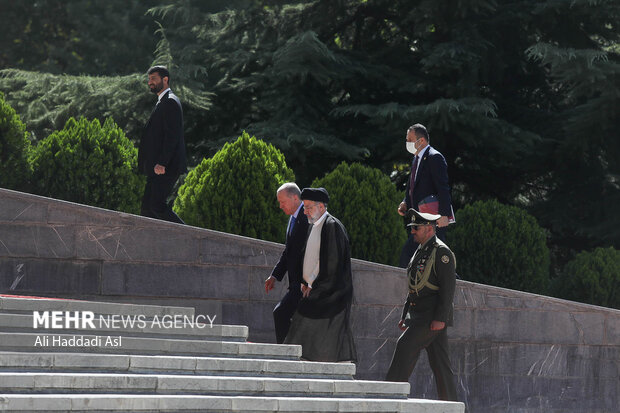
(500,245)
(330,80)
(89,164)
(235,190)
(583,178)
(593,277)
(96,37)
(520,97)
(14,149)
(46,102)
(365,200)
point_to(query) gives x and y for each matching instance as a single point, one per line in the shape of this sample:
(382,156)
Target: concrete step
(212,366)
(144,345)
(28,305)
(72,383)
(191,403)
(157,368)
(131,325)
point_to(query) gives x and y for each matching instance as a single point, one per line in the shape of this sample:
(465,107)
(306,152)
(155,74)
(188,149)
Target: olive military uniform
(432,280)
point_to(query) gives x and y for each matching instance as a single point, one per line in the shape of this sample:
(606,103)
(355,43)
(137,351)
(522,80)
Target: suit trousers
(283,312)
(410,246)
(407,352)
(155,199)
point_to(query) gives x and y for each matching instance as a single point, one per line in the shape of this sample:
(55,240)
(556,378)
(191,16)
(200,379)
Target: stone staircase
(169,360)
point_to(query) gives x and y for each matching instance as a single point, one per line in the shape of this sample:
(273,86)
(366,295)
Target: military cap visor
(315,194)
(421,218)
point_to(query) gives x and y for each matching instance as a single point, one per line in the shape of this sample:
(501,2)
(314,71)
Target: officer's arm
(445,266)
(405,309)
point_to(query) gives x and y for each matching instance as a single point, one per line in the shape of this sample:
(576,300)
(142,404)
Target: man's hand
(305,290)
(437,325)
(402,209)
(159,169)
(401,325)
(442,222)
(269,283)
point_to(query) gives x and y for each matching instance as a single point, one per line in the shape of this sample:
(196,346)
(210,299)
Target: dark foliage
(500,245)
(235,190)
(364,200)
(91,164)
(14,149)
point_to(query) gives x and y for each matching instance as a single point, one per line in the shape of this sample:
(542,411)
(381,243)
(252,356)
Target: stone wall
(511,351)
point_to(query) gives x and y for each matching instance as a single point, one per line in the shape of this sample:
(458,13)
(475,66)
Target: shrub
(365,201)
(235,191)
(500,245)
(593,278)
(14,149)
(89,164)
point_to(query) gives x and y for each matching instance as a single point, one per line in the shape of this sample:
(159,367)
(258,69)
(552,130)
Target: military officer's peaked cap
(315,194)
(421,218)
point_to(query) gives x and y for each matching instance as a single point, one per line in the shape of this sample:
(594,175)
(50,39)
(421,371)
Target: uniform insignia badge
(445,259)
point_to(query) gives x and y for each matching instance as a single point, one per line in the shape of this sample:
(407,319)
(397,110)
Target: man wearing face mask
(427,184)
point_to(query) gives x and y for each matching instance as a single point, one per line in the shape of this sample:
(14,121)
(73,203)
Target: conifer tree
(235,190)
(15,169)
(333,80)
(363,199)
(96,37)
(520,97)
(580,47)
(89,163)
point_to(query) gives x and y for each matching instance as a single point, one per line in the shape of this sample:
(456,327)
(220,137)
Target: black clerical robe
(321,323)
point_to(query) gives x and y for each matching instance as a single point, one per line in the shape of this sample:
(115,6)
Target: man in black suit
(291,260)
(429,177)
(161,156)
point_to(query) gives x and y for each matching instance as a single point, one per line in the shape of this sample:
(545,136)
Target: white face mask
(411,148)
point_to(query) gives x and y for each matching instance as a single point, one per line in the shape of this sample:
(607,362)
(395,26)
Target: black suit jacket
(431,179)
(162,140)
(292,258)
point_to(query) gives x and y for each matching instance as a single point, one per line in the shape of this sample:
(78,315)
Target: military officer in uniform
(428,310)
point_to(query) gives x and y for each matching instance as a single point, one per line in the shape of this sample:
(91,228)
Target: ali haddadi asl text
(78,341)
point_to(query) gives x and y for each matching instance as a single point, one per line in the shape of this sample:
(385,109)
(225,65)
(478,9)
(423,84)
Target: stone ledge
(78,383)
(79,362)
(163,403)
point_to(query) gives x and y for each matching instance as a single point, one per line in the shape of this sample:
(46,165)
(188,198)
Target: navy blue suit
(162,143)
(291,262)
(431,179)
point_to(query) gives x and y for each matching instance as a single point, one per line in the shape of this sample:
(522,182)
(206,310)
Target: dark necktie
(414,169)
(291,225)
